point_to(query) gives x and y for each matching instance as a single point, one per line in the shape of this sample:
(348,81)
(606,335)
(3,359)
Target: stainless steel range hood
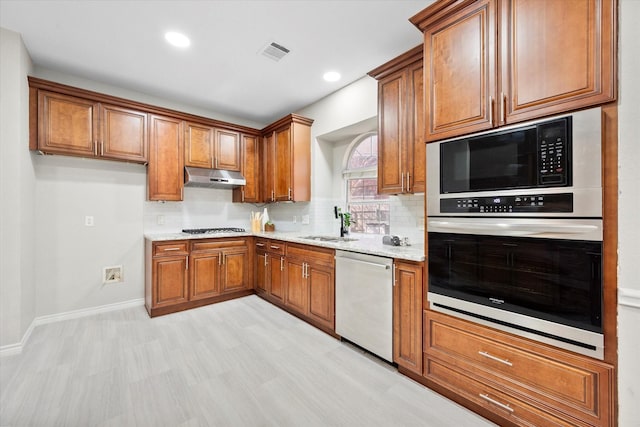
(212,178)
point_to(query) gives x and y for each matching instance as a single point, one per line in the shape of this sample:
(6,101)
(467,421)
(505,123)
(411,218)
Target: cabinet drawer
(579,384)
(315,254)
(506,406)
(170,248)
(272,246)
(213,244)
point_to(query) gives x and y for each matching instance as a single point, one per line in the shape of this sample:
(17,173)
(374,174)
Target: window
(369,210)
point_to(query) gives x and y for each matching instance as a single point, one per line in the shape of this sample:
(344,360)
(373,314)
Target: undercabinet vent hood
(212,178)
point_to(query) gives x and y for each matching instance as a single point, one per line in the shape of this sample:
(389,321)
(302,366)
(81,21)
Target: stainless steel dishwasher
(364,301)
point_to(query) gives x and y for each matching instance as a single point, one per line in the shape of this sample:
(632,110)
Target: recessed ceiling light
(331,76)
(177,39)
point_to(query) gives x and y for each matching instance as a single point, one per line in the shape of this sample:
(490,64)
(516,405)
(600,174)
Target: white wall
(17,187)
(629,208)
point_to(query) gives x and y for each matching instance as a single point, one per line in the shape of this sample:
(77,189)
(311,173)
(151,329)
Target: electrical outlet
(160,219)
(305,219)
(88,221)
(295,219)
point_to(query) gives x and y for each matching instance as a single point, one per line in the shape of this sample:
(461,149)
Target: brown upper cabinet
(250,192)
(490,63)
(287,160)
(208,147)
(401,149)
(165,174)
(76,126)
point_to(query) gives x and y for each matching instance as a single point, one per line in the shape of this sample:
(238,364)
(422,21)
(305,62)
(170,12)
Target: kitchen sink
(329,238)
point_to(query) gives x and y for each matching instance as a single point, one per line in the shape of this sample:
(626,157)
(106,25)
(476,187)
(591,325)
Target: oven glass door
(551,279)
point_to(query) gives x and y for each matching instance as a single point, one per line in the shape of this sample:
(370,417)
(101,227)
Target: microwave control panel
(530,203)
(553,151)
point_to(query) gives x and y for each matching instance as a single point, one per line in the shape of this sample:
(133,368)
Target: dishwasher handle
(375,264)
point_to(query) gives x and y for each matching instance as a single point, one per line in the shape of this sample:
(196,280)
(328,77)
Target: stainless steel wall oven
(515,230)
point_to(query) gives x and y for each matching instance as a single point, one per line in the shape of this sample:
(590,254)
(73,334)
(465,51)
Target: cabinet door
(416,146)
(170,284)
(124,134)
(295,296)
(277,276)
(282,181)
(570,64)
(407,316)
(205,275)
(250,170)
(460,73)
(67,125)
(166,159)
(391,134)
(262,272)
(235,268)
(198,145)
(227,150)
(269,170)
(321,295)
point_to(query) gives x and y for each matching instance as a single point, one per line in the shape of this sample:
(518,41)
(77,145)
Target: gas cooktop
(213,230)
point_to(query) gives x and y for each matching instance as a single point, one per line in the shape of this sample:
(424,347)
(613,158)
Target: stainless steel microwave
(549,167)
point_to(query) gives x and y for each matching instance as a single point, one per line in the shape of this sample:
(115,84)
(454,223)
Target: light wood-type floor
(237,363)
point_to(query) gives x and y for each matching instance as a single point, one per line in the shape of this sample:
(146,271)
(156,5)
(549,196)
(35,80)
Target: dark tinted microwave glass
(528,157)
(556,280)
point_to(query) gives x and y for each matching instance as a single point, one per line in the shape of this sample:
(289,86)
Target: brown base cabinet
(298,278)
(516,380)
(407,315)
(183,274)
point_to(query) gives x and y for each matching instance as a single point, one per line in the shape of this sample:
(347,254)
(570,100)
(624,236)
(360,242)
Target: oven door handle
(522,229)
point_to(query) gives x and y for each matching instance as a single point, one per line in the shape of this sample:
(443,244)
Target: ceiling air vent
(274,51)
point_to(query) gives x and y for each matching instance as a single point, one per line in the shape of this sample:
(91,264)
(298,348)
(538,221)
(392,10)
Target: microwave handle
(515,229)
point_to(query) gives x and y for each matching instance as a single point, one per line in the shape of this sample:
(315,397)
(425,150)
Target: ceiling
(122,43)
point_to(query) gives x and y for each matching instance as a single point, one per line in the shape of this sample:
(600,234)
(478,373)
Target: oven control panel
(529,203)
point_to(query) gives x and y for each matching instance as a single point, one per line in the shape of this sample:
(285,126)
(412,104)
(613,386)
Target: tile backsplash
(205,207)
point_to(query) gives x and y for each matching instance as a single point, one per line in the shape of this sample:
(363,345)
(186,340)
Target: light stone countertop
(371,245)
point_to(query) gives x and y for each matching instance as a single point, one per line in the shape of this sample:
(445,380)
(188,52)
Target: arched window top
(364,154)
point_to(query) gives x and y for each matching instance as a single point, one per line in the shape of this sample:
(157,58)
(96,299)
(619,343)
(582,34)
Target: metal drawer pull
(495,402)
(497,359)
(172,249)
(260,244)
(275,247)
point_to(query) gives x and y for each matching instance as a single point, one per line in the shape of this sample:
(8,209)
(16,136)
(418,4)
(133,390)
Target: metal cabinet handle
(273,197)
(281,263)
(260,244)
(170,249)
(408,182)
(95,148)
(220,260)
(503,107)
(265,260)
(289,194)
(187,265)
(242,194)
(102,148)
(216,163)
(495,402)
(275,247)
(402,182)
(497,359)
(395,275)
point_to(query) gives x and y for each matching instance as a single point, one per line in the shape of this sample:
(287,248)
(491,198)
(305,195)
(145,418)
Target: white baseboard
(14,349)
(629,297)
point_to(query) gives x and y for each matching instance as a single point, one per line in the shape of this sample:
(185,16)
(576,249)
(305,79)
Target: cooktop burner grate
(213,230)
